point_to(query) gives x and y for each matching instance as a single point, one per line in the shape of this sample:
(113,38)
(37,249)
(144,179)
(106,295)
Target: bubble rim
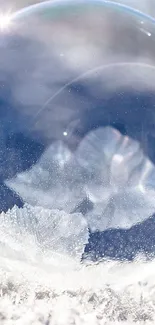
(105,3)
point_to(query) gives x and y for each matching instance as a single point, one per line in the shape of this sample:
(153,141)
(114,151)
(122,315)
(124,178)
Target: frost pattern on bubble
(52,230)
(54,182)
(121,180)
(110,157)
(108,179)
(64,233)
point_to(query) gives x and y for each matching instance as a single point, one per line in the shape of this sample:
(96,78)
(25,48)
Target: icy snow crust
(49,289)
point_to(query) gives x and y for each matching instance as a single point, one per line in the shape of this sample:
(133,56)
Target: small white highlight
(146,32)
(5,21)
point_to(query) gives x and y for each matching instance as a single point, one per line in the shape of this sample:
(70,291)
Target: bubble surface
(77,116)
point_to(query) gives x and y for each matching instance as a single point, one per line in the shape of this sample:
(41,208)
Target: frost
(121,179)
(55,182)
(51,230)
(108,169)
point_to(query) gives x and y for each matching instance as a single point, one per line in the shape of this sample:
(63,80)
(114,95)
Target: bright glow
(5,21)
(146,32)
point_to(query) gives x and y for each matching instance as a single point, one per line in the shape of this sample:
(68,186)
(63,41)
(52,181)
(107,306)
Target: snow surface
(108,293)
(42,286)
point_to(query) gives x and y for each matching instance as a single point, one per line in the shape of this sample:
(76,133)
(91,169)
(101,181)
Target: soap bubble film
(77,117)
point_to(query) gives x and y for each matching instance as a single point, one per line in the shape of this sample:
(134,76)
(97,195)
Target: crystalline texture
(52,230)
(54,182)
(121,183)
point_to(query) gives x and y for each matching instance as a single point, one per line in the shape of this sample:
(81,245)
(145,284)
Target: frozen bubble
(77,110)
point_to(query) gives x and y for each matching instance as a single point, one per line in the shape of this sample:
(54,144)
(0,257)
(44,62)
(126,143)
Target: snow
(108,293)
